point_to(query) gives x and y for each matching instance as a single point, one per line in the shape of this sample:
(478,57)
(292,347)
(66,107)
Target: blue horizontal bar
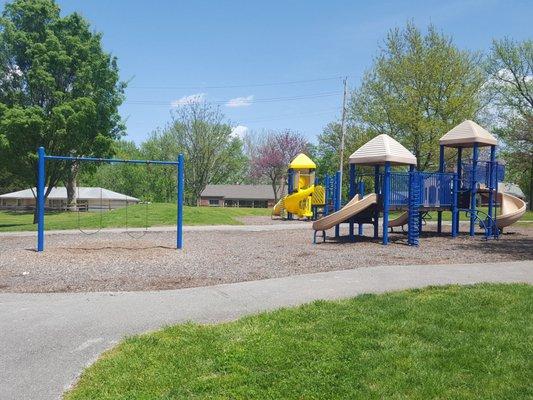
(110,160)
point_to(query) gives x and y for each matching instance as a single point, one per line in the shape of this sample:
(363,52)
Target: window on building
(231,203)
(260,204)
(214,203)
(246,203)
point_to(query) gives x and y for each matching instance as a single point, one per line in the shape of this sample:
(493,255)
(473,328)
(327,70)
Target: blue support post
(328,197)
(352,194)
(40,198)
(361,190)
(473,189)
(338,200)
(290,187)
(455,210)
(493,181)
(413,232)
(181,184)
(459,184)
(441,169)
(377,191)
(386,199)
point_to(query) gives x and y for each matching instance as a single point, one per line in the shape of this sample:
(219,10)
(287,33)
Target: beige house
(257,196)
(88,198)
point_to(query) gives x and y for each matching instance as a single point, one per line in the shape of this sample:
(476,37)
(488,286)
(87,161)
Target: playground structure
(419,192)
(306,197)
(43,158)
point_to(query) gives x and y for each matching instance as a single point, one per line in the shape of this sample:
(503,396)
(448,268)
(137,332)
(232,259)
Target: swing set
(43,158)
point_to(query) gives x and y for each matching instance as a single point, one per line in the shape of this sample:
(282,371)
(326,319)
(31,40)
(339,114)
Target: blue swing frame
(43,157)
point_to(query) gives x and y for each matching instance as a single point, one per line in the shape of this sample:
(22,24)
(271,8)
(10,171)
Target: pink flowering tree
(272,157)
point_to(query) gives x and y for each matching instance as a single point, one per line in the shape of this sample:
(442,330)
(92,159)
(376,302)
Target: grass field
(448,343)
(158,214)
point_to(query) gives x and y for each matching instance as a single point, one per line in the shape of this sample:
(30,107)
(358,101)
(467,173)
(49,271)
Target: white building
(88,198)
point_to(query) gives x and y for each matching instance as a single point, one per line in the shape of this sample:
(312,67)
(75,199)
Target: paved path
(47,339)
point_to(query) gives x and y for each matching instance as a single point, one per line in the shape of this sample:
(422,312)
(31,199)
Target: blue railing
(483,173)
(399,189)
(436,189)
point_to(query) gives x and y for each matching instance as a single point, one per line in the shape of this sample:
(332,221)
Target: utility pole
(343,134)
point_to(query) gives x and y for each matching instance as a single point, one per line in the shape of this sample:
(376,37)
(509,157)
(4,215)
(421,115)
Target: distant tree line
(421,85)
(60,89)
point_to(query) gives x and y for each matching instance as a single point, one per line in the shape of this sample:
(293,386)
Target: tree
(273,156)
(510,66)
(129,179)
(58,89)
(327,151)
(212,154)
(419,87)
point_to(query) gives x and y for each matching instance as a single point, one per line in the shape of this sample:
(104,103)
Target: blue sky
(174,49)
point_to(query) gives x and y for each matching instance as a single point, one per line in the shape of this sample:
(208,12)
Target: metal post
(386,195)
(338,199)
(459,184)
(328,195)
(473,189)
(40,198)
(455,211)
(290,187)
(441,169)
(361,190)
(493,181)
(181,178)
(352,195)
(343,135)
(376,190)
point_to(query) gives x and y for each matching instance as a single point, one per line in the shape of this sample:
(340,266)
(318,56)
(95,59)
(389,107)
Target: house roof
(380,150)
(511,188)
(301,161)
(60,193)
(235,192)
(466,134)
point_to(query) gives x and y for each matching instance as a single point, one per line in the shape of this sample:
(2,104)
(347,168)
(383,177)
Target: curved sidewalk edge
(49,338)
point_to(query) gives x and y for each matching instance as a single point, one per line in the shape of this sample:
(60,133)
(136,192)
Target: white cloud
(239,131)
(191,99)
(240,101)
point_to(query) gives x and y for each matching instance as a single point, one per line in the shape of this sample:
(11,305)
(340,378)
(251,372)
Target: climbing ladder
(414,202)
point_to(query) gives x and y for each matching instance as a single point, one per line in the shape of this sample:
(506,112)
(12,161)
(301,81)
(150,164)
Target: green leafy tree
(212,154)
(129,179)
(58,89)
(511,68)
(420,86)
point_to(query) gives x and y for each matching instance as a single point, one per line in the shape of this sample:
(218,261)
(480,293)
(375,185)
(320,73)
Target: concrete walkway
(47,339)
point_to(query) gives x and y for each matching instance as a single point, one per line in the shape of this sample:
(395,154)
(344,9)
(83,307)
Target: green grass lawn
(158,214)
(448,343)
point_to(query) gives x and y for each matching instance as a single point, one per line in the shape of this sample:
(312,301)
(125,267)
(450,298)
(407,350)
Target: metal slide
(354,207)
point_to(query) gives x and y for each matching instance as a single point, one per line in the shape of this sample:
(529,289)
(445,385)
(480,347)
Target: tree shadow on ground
(513,245)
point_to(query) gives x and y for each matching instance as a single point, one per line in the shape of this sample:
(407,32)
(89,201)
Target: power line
(237,86)
(253,101)
(291,115)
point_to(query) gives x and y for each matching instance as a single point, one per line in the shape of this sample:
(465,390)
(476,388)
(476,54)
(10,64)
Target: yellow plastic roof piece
(301,161)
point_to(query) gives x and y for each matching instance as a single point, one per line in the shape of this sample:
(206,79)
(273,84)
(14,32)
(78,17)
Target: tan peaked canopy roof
(466,134)
(380,150)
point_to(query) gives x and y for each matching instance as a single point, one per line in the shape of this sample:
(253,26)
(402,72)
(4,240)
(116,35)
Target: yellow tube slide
(297,203)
